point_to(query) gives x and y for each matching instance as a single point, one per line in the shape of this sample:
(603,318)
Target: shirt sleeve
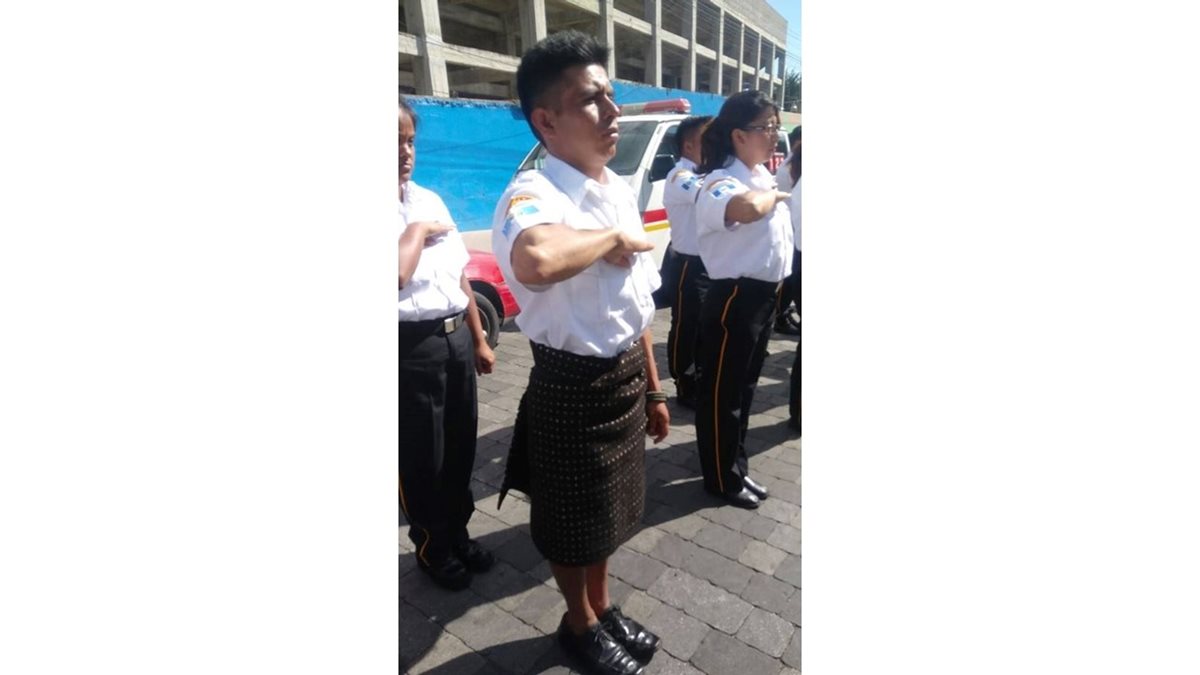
(714,197)
(526,208)
(681,187)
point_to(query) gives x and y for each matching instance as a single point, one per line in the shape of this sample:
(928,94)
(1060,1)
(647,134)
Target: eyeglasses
(769,128)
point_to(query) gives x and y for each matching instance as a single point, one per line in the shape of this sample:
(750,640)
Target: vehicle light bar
(670,105)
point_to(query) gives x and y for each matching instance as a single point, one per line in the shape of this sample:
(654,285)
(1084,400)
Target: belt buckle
(450,324)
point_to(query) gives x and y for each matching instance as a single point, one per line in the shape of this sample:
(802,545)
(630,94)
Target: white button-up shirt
(434,291)
(603,310)
(759,250)
(679,198)
(795,207)
(783,175)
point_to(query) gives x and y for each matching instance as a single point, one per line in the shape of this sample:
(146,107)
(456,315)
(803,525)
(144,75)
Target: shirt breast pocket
(590,293)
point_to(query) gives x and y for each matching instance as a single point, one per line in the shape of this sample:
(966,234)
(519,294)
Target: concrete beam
(605,33)
(630,21)
(479,76)
(472,17)
(533,21)
(718,55)
(407,44)
(481,58)
(430,63)
(653,72)
(689,27)
(741,52)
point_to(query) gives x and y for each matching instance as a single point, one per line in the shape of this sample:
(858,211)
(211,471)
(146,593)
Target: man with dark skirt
(569,240)
(687,277)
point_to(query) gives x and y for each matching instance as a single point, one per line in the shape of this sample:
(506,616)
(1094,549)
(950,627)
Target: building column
(533,22)
(605,33)
(771,74)
(429,67)
(653,12)
(689,29)
(783,77)
(741,57)
(717,74)
(757,60)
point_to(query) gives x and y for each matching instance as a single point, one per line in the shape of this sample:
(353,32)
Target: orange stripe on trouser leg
(404,505)
(717,391)
(678,313)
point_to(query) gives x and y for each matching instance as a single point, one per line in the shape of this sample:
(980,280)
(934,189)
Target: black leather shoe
(754,486)
(794,424)
(599,653)
(743,500)
(474,556)
(633,636)
(450,573)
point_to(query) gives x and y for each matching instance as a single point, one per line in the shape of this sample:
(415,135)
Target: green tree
(791,91)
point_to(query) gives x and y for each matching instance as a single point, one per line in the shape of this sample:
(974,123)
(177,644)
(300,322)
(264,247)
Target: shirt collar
(688,164)
(572,181)
(738,169)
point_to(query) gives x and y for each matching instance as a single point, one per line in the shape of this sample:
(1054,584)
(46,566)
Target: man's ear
(543,121)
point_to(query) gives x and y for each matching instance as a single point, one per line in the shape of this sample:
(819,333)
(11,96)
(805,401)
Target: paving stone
(684,525)
(520,552)
(634,568)
(486,625)
(792,609)
(681,634)
(435,602)
(718,570)
(672,550)
(785,537)
(731,517)
(778,469)
(533,603)
(664,664)
(408,562)
(645,540)
(791,655)
(789,671)
(618,591)
(448,656)
(712,605)
(727,542)
(503,584)
(766,632)
(720,653)
(519,656)
(759,527)
(789,570)
(762,557)
(515,510)
(767,592)
(417,635)
(665,472)
(779,511)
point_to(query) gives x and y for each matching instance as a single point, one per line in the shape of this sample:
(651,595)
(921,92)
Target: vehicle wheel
(489,317)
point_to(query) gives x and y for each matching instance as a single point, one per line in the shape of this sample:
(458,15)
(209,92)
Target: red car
(495,301)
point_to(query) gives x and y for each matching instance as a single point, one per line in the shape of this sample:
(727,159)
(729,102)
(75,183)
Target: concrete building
(471,48)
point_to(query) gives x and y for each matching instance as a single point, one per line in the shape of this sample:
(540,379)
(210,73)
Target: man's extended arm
(546,254)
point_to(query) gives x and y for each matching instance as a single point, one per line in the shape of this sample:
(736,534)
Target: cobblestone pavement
(720,585)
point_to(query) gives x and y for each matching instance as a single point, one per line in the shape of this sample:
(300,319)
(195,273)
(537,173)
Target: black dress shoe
(597,651)
(450,573)
(743,500)
(754,486)
(794,424)
(638,641)
(474,556)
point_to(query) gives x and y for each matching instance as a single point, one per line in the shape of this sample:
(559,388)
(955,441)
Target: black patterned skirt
(578,451)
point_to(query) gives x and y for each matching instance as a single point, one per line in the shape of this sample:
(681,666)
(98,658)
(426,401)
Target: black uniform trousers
(794,388)
(735,327)
(438,423)
(690,280)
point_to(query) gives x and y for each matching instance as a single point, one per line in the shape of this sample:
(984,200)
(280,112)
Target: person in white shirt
(791,285)
(745,236)
(783,173)
(794,385)
(442,349)
(569,241)
(686,276)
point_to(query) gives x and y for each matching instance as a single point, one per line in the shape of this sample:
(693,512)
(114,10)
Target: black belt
(443,326)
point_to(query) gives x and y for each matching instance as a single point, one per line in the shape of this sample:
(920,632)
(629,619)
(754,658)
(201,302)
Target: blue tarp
(467,150)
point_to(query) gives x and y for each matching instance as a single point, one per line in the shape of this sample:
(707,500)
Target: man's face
(408,149)
(579,125)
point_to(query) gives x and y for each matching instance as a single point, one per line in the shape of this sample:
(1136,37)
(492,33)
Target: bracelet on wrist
(656,396)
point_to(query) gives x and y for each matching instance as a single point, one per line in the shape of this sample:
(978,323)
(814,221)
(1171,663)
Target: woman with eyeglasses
(745,238)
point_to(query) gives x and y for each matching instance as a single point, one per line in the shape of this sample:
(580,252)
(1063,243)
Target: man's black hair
(407,110)
(688,127)
(793,135)
(542,66)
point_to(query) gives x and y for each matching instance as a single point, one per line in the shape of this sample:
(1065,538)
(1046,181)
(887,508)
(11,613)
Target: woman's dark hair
(739,110)
(686,128)
(407,110)
(794,164)
(542,66)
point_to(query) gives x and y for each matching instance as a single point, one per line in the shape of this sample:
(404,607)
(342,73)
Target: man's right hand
(433,230)
(623,250)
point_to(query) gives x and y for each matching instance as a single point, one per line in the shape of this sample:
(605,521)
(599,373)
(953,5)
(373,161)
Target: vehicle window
(668,146)
(631,147)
